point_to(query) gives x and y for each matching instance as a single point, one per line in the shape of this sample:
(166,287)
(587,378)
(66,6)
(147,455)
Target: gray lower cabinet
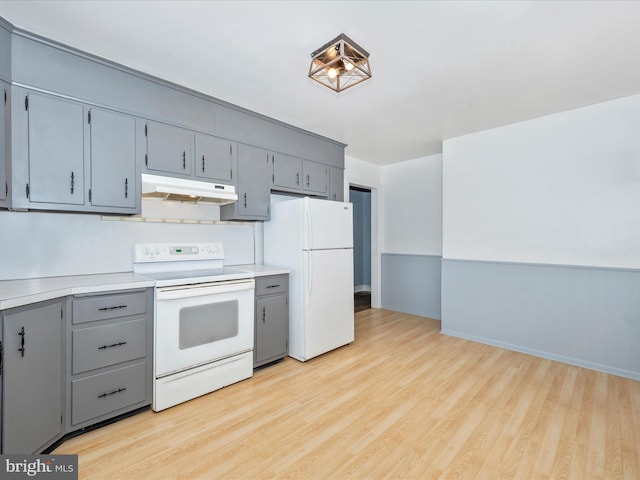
(252,186)
(109,359)
(4,144)
(296,175)
(32,375)
(215,158)
(271,337)
(169,149)
(70,156)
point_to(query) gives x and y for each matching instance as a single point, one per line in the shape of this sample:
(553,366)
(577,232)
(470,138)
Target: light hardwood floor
(402,401)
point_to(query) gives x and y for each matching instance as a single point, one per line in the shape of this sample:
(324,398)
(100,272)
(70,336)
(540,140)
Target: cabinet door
(4,109)
(113,159)
(56,150)
(32,414)
(287,171)
(169,149)
(272,324)
(214,158)
(253,186)
(336,184)
(315,177)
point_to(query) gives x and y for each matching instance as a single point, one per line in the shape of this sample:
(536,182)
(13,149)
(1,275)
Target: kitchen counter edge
(16,293)
(260,270)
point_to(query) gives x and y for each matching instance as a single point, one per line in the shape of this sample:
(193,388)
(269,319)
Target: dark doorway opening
(361,200)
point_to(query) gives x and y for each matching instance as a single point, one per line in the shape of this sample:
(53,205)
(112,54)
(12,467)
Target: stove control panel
(172,252)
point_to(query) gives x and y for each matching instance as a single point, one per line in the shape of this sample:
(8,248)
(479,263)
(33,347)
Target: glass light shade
(340,64)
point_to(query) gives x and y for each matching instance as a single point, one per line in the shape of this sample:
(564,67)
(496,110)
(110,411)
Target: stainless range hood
(185,190)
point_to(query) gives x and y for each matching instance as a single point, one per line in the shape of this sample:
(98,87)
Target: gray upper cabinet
(336,184)
(252,186)
(56,150)
(215,158)
(57,160)
(169,149)
(296,175)
(33,377)
(287,172)
(315,178)
(4,144)
(113,159)
(73,157)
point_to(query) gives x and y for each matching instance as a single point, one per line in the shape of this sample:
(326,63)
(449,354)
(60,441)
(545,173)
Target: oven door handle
(175,293)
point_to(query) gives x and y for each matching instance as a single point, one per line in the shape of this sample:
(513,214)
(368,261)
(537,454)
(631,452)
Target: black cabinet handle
(73,183)
(21,349)
(112,393)
(308,179)
(245,200)
(126,188)
(104,347)
(264,313)
(202,163)
(298,178)
(273,286)
(104,309)
(184,160)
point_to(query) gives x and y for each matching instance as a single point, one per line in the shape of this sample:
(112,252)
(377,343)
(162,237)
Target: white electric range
(203,320)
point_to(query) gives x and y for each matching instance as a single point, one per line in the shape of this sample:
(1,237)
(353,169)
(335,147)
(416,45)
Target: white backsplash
(39,244)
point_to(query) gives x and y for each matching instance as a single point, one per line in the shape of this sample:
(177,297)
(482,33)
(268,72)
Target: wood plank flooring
(403,401)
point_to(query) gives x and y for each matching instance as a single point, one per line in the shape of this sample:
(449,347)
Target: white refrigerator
(314,238)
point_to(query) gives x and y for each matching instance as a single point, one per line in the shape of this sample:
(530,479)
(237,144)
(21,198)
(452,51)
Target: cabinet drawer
(97,347)
(101,307)
(272,284)
(100,394)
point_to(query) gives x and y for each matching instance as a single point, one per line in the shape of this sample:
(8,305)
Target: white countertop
(260,270)
(15,293)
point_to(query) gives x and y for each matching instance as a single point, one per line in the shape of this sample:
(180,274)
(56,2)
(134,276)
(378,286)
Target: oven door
(199,324)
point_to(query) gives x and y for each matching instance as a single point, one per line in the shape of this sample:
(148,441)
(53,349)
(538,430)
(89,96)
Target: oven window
(208,323)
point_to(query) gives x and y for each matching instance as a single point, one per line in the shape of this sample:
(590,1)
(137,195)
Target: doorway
(360,197)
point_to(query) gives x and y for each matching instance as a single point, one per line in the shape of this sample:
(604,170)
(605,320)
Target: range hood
(184,190)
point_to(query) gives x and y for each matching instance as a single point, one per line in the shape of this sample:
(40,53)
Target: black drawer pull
(104,347)
(273,286)
(104,309)
(112,393)
(21,349)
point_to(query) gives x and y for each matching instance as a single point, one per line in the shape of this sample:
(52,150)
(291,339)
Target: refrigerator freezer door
(327,224)
(328,301)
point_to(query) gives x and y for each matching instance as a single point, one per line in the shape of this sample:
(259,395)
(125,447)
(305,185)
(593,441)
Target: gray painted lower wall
(411,284)
(579,315)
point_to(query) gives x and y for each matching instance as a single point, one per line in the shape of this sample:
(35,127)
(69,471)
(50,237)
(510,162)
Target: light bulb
(333,73)
(348,66)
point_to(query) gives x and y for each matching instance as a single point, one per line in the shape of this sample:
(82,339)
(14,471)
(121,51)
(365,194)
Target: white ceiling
(440,68)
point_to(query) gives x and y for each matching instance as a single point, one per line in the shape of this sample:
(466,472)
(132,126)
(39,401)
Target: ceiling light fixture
(340,64)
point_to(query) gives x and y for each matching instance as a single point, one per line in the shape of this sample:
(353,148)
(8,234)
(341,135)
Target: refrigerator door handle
(310,274)
(309,227)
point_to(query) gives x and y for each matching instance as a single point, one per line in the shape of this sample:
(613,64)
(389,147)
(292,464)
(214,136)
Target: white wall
(412,206)
(561,189)
(36,244)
